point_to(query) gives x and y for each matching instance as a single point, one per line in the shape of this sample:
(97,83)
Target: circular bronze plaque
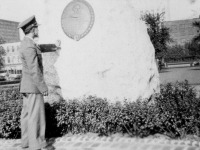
(77,19)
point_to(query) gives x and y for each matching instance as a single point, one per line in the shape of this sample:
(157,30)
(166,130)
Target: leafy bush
(193,47)
(174,112)
(176,53)
(10,112)
(178,109)
(10,109)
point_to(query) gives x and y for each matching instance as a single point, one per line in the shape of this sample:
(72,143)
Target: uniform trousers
(33,122)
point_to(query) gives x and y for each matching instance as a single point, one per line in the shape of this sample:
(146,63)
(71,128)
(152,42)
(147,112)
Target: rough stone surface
(115,60)
(51,76)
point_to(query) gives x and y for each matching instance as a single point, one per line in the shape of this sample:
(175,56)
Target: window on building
(13,59)
(8,49)
(175,40)
(186,26)
(174,28)
(183,40)
(187,41)
(182,26)
(8,59)
(18,59)
(182,29)
(13,49)
(190,31)
(190,25)
(3,59)
(182,33)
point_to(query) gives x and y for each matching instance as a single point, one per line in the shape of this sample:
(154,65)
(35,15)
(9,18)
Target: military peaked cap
(28,24)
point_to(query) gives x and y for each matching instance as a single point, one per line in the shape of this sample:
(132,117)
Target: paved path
(180,74)
(81,142)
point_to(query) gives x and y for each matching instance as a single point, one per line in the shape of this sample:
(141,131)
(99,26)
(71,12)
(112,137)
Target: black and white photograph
(100,74)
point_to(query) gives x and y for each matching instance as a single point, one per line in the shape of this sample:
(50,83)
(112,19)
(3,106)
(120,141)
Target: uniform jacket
(32,73)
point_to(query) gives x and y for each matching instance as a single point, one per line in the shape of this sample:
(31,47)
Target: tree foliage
(2,41)
(197,37)
(159,34)
(193,47)
(2,53)
(177,51)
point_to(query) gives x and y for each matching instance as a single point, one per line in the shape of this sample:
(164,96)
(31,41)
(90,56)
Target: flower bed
(175,113)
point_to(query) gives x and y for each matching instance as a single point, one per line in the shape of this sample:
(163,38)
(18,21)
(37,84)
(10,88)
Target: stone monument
(51,76)
(105,51)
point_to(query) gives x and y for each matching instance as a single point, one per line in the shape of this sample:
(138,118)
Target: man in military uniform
(33,87)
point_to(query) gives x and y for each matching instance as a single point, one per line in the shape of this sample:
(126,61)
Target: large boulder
(115,60)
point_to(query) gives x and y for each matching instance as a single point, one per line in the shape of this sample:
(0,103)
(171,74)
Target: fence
(9,82)
(182,59)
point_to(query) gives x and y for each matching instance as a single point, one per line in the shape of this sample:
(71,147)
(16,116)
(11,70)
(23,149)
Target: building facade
(12,59)
(10,37)
(182,31)
(9,32)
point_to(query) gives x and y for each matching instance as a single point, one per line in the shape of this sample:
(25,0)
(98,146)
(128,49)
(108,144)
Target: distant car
(2,78)
(195,63)
(18,77)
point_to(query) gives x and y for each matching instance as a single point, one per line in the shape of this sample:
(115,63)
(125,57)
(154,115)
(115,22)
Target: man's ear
(32,30)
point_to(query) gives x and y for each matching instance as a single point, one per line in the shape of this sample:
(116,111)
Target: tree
(177,51)
(193,47)
(2,41)
(197,37)
(2,53)
(159,34)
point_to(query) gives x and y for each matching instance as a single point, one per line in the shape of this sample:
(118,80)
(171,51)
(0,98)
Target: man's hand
(58,43)
(45,93)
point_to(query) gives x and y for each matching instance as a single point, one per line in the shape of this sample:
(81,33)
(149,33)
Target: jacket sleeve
(36,74)
(47,48)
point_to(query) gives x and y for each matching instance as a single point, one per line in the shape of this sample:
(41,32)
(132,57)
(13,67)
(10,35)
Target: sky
(184,9)
(19,10)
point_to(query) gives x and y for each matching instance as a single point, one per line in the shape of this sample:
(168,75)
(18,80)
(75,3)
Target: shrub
(178,109)
(174,112)
(10,109)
